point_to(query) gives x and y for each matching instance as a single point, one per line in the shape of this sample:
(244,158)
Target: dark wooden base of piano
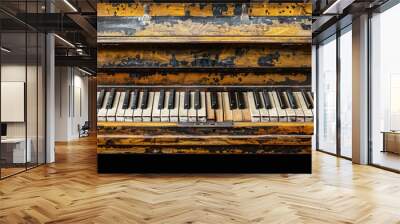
(189,163)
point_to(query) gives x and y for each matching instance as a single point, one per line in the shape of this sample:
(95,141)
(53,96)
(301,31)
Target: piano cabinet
(204,87)
(203,78)
(172,138)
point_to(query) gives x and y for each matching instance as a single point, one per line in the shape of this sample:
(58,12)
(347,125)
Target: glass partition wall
(334,93)
(22,77)
(326,106)
(385,89)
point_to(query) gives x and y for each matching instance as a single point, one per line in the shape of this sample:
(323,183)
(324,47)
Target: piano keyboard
(200,106)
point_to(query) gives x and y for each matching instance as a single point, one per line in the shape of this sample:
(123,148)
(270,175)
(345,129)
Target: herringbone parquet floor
(70,191)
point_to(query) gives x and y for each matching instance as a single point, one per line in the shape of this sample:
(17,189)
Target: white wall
(71,103)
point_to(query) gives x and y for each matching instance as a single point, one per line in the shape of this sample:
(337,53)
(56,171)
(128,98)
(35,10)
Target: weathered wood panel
(204,78)
(238,128)
(199,39)
(204,9)
(158,28)
(178,59)
(208,56)
(243,149)
(187,140)
(204,22)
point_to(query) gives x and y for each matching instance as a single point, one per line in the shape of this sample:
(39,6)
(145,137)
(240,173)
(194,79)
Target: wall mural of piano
(204,87)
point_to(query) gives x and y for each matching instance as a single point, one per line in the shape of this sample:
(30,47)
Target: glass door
(385,90)
(326,87)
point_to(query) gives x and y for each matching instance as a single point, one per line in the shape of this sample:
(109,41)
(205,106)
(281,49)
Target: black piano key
(187,100)
(100,99)
(282,102)
(161,100)
(214,100)
(240,100)
(171,99)
(267,100)
(197,100)
(257,100)
(311,95)
(135,99)
(125,105)
(292,100)
(232,100)
(308,100)
(145,99)
(111,99)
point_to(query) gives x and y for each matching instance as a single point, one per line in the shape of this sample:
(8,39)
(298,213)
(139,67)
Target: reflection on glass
(31,97)
(41,98)
(22,90)
(346,94)
(327,96)
(14,153)
(385,84)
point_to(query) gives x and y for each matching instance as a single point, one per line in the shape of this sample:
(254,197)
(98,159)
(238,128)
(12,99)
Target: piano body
(204,87)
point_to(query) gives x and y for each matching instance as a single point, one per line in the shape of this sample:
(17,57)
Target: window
(346,93)
(22,77)
(327,96)
(385,89)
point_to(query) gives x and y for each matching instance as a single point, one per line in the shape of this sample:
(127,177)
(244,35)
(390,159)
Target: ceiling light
(70,5)
(5,50)
(84,71)
(337,7)
(65,41)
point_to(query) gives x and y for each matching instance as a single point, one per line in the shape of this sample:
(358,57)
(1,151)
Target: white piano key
(210,110)
(128,115)
(264,113)
(174,113)
(246,116)
(201,113)
(183,113)
(228,116)
(289,111)
(120,112)
(146,113)
(156,113)
(192,112)
(219,113)
(137,113)
(282,116)
(299,111)
(308,115)
(102,114)
(255,113)
(111,113)
(164,113)
(273,112)
(237,113)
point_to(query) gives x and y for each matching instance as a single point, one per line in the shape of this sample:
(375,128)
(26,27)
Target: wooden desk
(13,150)
(391,141)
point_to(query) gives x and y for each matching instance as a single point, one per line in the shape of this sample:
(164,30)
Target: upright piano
(204,86)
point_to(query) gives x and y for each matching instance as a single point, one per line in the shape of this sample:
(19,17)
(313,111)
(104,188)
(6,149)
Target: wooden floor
(70,191)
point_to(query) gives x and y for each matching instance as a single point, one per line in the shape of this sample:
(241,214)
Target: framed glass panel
(32,98)
(14,153)
(385,89)
(346,93)
(327,96)
(22,78)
